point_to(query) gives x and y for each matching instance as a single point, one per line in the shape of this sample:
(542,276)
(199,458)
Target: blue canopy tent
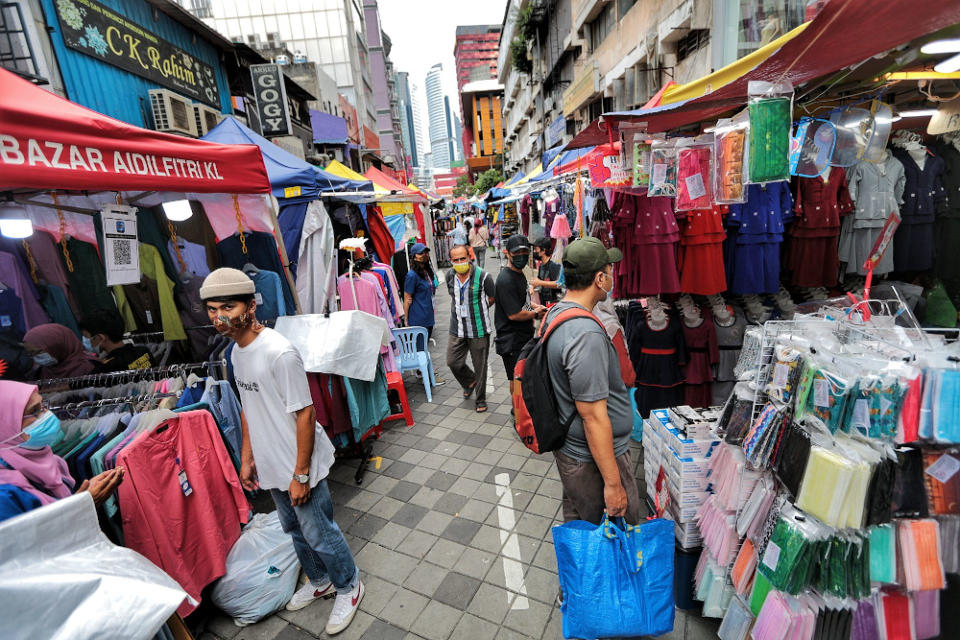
(288,174)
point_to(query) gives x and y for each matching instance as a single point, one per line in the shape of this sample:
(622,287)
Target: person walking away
(514,314)
(547,282)
(595,465)
(472,293)
(284,449)
(103,334)
(479,238)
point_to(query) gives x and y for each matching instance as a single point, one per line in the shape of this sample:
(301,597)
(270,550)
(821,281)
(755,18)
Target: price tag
(258,297)
(944,468)
(149,316)
(695,186)
(780,373)
(659,174)
(184,483)
(771,556)
(861,415)
(821,393)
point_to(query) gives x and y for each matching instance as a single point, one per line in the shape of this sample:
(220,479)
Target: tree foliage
(487,180)
(463,187)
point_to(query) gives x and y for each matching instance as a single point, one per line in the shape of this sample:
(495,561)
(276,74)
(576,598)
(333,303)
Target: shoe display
(308,593)
(344,609)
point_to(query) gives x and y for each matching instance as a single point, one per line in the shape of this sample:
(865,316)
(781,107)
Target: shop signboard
(271,98)
(584,87)
(946,119)
(607,169)
(97,31)
(556,130)
(121,249)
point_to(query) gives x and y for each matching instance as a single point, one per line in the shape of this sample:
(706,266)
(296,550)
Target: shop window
(201,8)
(16,51)
(763,21)
(623,6)
(690,43)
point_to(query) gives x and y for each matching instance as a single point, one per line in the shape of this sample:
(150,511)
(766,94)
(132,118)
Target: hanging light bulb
(177,210)
(941,46)
(14,221)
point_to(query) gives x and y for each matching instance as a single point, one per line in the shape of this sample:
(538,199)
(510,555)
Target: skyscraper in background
(408,127)
(441,143)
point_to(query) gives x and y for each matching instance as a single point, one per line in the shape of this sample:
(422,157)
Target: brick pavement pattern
(438,557)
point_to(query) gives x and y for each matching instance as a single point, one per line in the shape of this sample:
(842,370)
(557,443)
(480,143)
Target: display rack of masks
(176,432)
(835,505)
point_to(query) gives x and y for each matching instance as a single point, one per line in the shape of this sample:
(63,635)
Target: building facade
(592,56)
(410,128)
(85,53)
(480,102)
(384,88)
(329,33)
(475,52)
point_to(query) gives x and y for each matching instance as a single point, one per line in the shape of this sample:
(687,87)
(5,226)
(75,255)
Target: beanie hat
(226,282)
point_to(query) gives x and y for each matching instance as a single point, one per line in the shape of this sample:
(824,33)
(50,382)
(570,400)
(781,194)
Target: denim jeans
(320,545)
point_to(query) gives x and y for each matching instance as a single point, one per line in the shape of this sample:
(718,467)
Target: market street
(441,553)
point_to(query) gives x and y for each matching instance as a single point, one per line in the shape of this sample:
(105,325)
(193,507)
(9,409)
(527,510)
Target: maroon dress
(702,354)
(812,256)
(646,230)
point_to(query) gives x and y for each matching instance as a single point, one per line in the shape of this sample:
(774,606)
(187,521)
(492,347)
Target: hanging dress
(812,257)
(877,190)
(754,234)
(701,251)
(923,197)
(729,344)
(646,230)
(702,355)
(658,356)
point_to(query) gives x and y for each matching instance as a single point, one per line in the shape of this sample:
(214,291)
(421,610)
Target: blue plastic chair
(415,358)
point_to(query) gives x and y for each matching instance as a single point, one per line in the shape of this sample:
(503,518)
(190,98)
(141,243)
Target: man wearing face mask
(596,469)
(103,334)
(514,314)
(284,449)
(472,293)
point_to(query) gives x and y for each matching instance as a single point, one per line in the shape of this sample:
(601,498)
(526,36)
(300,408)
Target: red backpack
(536,413)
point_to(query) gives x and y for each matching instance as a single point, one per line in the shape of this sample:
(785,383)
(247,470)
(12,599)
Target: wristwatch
(302,478)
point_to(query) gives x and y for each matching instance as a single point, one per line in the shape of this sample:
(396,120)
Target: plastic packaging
(855,127)
(770,107)
(663,169)
(262,570)
(827,400)
(730,159)
(694,170)
(883,122)
(736,623)
(637,151)
(811,147)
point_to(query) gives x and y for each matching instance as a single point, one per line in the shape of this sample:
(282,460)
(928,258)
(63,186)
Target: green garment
(940,311)
(88,280)
(151,266)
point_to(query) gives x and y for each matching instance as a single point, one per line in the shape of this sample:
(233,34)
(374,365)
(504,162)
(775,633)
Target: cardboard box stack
(680,441)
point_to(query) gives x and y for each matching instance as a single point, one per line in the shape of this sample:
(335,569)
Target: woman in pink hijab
(31,475)
(58,352)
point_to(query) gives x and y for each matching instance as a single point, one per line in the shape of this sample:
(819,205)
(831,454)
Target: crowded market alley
(451,527)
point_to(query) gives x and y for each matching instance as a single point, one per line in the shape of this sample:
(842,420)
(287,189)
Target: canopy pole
(285,261)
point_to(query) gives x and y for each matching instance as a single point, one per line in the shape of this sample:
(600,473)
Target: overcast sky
(424,31)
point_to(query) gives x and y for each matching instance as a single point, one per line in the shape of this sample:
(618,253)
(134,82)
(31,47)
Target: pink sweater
(186,536)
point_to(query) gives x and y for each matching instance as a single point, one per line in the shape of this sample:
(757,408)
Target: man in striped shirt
(471,322)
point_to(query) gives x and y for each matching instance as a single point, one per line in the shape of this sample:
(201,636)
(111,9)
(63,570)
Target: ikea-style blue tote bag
(617,579)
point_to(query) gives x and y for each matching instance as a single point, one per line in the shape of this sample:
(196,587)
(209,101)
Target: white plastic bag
(347,343)
(262,570)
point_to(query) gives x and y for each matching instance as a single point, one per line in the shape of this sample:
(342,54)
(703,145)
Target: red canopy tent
(47,143)
(844,33)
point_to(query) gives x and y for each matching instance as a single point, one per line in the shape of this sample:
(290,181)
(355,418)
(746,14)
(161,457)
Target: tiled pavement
(439,558)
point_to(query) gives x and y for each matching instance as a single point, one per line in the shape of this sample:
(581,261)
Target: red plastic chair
(395,383)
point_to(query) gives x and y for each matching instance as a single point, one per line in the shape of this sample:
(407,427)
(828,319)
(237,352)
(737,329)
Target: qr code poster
(121,249)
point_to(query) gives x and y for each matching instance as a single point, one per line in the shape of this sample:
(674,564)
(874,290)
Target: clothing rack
(103,402)
(172,369)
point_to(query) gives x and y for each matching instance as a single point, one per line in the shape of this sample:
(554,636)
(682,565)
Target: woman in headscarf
(58,352)
(31,475)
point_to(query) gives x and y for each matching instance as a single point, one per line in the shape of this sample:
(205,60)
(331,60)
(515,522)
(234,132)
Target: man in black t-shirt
(514,314)
(548,273)
(103,334)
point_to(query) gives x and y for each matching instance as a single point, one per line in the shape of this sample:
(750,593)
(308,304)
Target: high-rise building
(441,143)
(407,127)
(475,52)
(329,33)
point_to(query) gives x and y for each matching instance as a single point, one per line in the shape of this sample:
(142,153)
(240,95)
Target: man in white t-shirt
(284,449)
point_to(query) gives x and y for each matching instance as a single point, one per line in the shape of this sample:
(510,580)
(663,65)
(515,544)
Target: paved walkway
(452,531)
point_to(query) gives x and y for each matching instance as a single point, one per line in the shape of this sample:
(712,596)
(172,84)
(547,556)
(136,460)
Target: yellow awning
(341,170)
(533,174)
(726,75)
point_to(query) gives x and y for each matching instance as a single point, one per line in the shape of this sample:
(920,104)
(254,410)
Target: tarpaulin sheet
(61,579)
(844,33)
(48,142)
(327,128)
(285,170)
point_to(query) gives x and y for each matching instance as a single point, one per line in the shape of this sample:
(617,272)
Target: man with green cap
(595,465)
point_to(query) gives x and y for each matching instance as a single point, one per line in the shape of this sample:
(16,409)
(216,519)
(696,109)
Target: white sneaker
(344,608)
(308,593)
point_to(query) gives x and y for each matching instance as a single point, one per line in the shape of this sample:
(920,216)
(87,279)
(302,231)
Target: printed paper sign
(695,186)
(121,249)
(944,468)
(821,393)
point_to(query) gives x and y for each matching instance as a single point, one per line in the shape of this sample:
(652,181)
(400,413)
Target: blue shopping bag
(617,579)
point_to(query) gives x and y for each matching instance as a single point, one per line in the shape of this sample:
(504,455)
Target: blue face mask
(44,359)
(44,432)
(86,343)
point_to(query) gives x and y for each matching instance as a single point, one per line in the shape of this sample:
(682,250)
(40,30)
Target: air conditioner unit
(172,113)
(206,118)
